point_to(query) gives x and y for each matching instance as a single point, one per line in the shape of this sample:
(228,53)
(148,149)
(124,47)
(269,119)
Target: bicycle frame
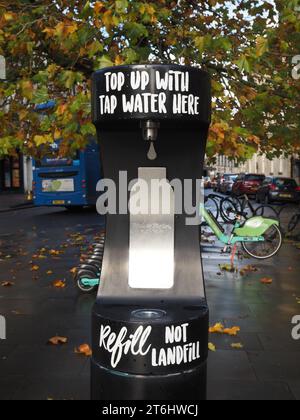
(228,240)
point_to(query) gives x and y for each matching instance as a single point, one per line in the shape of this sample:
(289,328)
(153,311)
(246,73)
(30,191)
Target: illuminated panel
(152,216)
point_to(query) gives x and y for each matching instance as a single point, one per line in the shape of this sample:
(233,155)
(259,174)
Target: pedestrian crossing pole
(2,68)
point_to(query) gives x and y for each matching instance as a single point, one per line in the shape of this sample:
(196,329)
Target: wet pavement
(40,246)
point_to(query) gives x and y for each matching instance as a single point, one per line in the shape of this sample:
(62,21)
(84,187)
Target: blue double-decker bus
(67,182)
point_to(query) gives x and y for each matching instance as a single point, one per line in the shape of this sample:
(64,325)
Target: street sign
(2,68)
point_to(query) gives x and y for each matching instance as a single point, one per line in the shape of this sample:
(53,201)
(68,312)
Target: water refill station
(150,319)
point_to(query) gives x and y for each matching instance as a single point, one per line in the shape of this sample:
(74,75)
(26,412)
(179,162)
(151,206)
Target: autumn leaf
(217,328)
(228,267)
(43,139)
(7,284)
(248,269)
(49,273)
(54,252)
(266,280)
(237,346)
(57,340)
(99,6)
(84,349)
(262,46)
(232,331)
(59,284)
(212,347)
(27,89)
(35,268)
(74,271)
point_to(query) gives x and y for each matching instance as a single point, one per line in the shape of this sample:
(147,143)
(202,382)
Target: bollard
(150,319)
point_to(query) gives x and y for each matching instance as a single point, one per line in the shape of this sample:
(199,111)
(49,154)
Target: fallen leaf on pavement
(84,349)
(73,270)
(211,347)
(49,272)
(59,284)
(232,331)
(218,328)
(55,341)
(266,280)
(237,346)
(248,269)
(7,284)
(35,268)
(228,267)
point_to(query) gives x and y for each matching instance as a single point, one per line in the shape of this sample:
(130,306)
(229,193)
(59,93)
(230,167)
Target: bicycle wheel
(268,248)
(293,223)
(285,215)
(212,205)
(229,210)
(266,211)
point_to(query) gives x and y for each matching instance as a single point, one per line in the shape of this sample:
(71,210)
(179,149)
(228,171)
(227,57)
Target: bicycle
(295,220)
(261,238)
(231,206)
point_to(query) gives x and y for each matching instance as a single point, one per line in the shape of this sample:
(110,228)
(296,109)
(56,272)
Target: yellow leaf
(45,139)
(65,28)
(218,328)
(35,268)
(108,20)
(119,60)
(211,347)
(8,16)
(59,284)
(49,272)
(237,346)
(27,89)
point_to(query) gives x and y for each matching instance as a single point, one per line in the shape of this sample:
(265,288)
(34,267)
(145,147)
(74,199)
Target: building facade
(259,164)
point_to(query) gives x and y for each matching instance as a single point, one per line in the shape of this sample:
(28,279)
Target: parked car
(220,182)
(278,189)
(247,184)
(207,182)
(226,186)
(214,183)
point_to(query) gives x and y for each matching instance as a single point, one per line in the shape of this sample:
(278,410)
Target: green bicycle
(261,238)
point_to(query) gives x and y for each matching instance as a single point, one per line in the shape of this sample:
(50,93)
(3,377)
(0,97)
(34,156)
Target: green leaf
(200,43)
(121,6)
(104,61)
(262,46)
(88,129)
(131,56)
(40,95)
(243,64)
(136,31)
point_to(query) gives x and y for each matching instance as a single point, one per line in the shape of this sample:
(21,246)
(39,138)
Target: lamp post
(150,320)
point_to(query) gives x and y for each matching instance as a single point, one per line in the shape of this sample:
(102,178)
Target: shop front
(11,174)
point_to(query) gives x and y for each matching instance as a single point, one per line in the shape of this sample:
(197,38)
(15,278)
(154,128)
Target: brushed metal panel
(152,232)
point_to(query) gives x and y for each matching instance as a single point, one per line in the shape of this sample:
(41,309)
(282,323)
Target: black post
(150,320)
